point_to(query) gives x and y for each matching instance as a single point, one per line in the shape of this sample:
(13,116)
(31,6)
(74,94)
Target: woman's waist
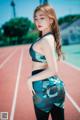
(36,66)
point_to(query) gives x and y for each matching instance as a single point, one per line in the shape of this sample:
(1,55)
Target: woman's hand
(29,82)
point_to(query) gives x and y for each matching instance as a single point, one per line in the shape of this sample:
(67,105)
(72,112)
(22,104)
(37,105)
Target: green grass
(72,54)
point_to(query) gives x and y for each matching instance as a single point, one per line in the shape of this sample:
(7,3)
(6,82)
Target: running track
(15,67)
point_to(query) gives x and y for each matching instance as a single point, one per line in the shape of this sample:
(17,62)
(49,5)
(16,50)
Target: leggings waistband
(37,71)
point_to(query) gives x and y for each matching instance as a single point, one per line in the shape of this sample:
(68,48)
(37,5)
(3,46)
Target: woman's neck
(46,31)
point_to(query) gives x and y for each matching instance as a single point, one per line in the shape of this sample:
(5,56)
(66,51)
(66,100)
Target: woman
(46,98)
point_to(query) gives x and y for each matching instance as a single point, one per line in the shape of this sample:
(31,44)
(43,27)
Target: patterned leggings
(57,113)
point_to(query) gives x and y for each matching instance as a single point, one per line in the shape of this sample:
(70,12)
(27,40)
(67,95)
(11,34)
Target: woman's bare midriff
(38,65)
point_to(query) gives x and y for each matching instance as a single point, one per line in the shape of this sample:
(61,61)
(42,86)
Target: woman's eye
(41,18)
(35,19)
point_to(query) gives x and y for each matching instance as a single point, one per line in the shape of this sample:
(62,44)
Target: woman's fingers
(30,87)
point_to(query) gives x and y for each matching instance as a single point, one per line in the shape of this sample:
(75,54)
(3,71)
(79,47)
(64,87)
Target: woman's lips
(39,26)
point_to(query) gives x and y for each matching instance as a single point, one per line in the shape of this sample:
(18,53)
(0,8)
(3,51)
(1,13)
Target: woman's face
(42,21)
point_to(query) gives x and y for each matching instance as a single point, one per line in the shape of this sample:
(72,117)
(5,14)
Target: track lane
(71,79)
(7,82)
(5,52)
(24,106)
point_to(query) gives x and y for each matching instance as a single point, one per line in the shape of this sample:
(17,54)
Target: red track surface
(15,65)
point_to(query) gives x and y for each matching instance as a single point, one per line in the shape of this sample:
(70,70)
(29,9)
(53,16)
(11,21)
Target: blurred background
(17,27)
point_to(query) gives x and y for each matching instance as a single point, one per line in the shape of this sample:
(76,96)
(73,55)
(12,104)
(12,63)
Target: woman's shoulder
(47,40)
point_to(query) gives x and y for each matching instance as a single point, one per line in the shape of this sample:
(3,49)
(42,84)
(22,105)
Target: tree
(16,27)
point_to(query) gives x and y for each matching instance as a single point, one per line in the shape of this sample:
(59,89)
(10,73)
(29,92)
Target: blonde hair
(49,11)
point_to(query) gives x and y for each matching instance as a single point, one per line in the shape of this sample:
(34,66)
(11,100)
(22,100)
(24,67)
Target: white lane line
(3,55)
(73,102)
(6,52)
(16,88)
(7,59)
(74,67)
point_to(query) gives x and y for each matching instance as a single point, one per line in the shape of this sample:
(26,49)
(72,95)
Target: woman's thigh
(57,113)
(41,115)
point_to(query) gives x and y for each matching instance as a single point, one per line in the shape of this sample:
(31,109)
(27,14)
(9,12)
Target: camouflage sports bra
(36,56)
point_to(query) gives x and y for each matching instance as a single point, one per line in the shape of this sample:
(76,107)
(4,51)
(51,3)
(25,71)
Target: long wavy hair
(49,11)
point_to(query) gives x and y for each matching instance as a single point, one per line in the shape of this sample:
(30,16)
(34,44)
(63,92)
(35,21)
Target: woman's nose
(39,21)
